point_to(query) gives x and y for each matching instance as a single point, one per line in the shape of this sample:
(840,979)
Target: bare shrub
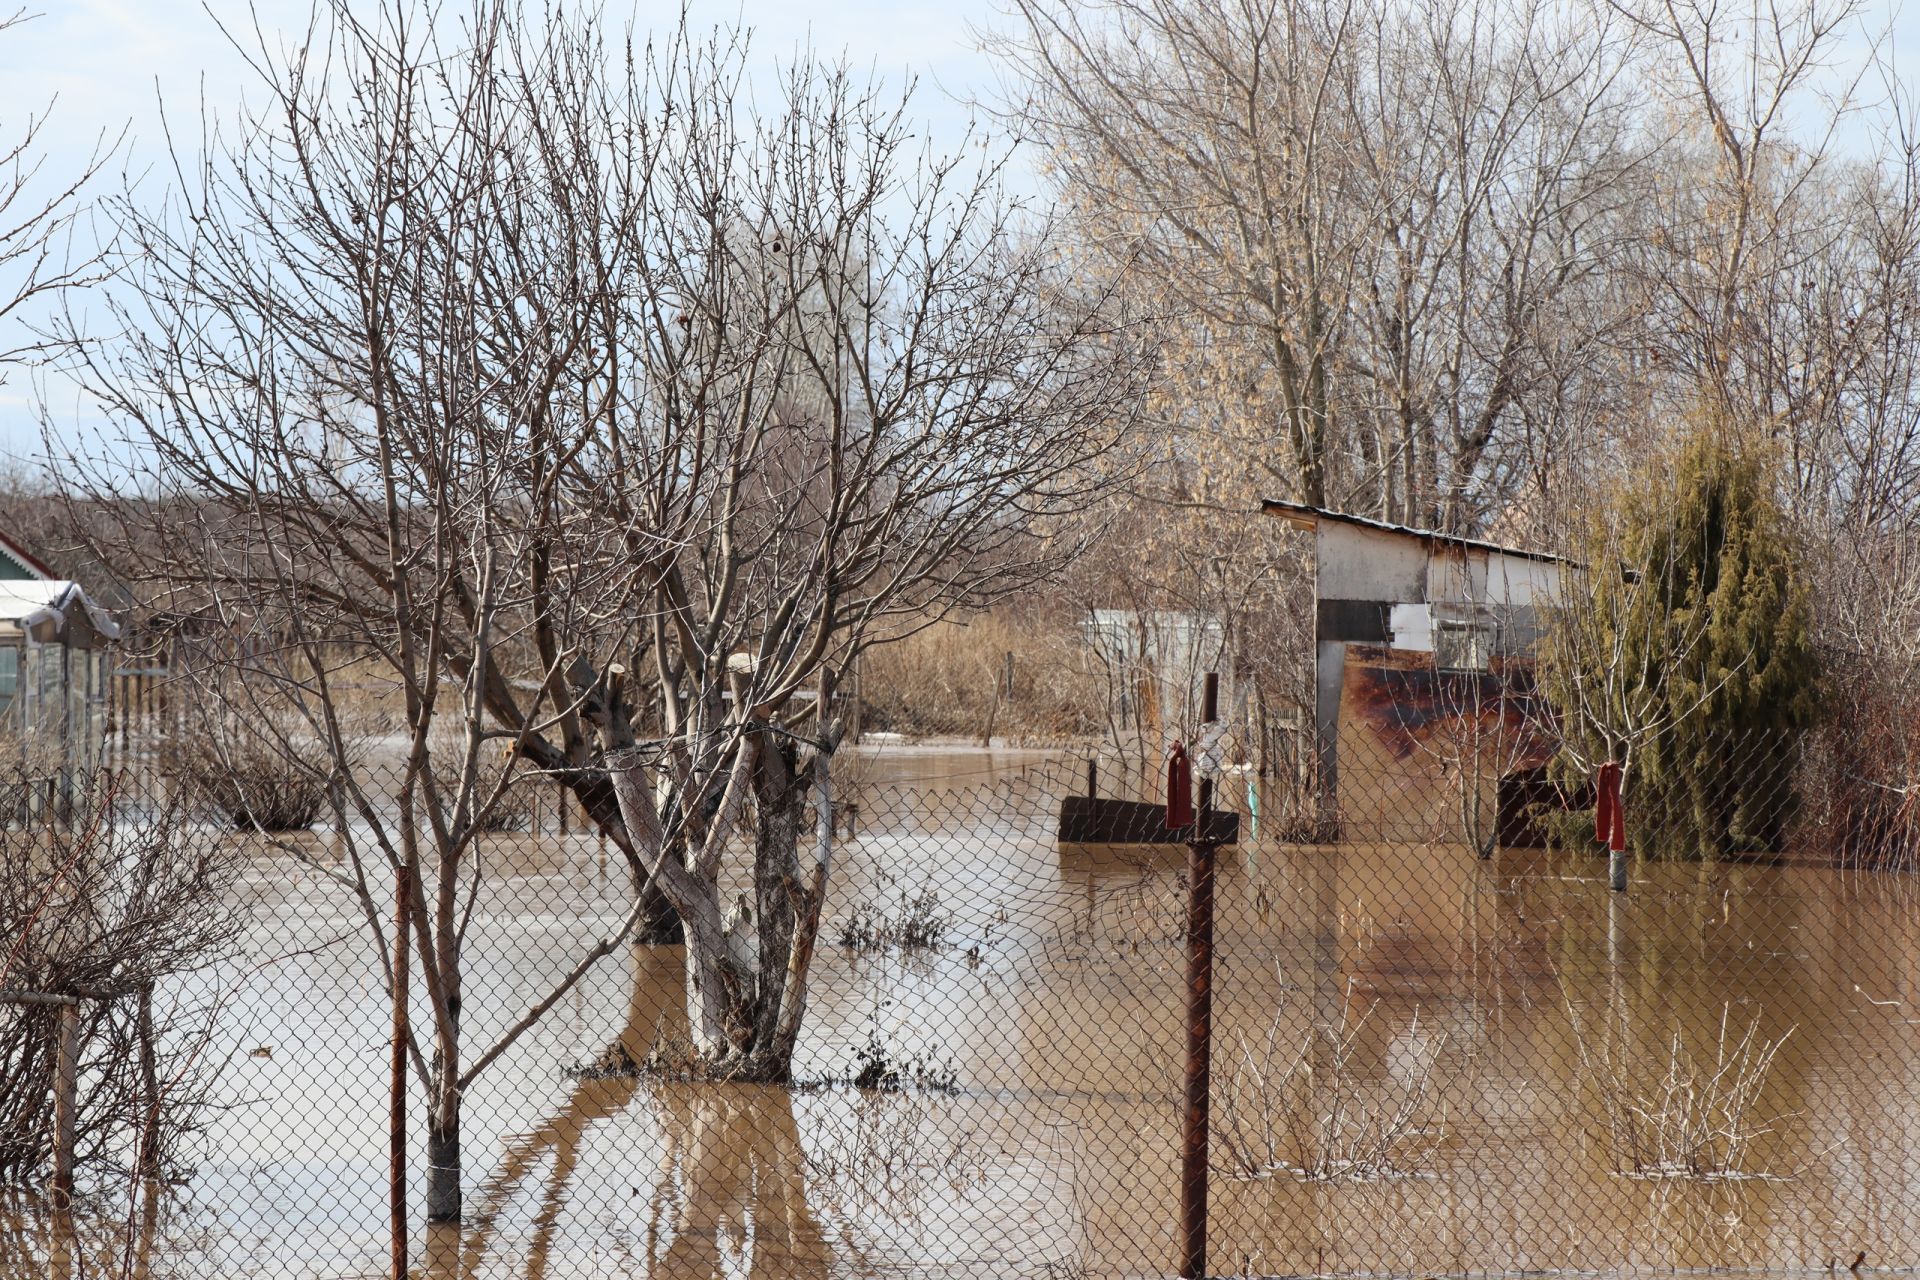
(889,1153)
(1861,773)
(260,772)
(880,1067)
(1667,1111)
(1302,1107)
(913,921)
(106,909)
(488,797)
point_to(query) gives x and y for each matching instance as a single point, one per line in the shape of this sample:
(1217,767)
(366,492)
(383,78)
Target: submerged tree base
(676,1059)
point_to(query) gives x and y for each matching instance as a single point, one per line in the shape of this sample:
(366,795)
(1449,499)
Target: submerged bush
(266,772)
(101,906)
(1669,1111)
(915,922)
(1303,1106)
(881,1068)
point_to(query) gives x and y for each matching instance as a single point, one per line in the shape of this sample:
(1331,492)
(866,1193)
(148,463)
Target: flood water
(1443,1038)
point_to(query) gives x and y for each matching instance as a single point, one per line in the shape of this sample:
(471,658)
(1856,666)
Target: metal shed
(1417,633)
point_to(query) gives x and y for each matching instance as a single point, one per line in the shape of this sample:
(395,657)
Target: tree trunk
(793,1003)
(443,1153)
(746,963)
(594,788)
(780,796)
(443,1091)
(715,978)
(746,968)
(659,923)
(147,1165)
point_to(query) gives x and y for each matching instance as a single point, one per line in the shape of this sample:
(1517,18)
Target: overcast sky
(105,64)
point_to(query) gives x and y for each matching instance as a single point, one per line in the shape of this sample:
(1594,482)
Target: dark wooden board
(1085,820)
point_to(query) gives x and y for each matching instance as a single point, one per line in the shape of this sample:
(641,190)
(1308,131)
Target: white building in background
(55,667)
(1154,662)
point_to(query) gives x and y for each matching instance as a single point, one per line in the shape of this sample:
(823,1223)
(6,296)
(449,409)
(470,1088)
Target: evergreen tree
(1696,668)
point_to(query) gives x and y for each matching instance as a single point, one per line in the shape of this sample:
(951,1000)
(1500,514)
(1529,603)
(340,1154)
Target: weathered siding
(1370,564)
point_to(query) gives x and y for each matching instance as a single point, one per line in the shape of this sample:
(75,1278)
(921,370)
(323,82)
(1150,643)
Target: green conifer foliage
(1697,667)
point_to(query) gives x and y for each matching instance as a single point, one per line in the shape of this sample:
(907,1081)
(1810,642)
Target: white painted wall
(1356,563)
(1519,582)
(1410,626)
(1420,579)
(1488,578)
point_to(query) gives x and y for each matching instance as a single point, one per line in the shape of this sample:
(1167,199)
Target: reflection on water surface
(1501,1005)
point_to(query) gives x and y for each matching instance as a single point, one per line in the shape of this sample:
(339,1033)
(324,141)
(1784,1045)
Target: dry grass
(668,1057)
(1303,1107)
(950,679)
(1669,1112)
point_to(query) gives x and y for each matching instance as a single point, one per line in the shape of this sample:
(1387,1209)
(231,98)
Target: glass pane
(1458,647)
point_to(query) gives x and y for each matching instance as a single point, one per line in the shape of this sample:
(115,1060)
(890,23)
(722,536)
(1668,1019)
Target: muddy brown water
(1468,1022)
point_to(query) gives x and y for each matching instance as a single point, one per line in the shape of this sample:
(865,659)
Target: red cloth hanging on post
(1609,815)
(1179,788)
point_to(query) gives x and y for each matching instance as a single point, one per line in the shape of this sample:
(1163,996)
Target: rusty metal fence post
(65,1120)
(397,1077)
(1194,1138)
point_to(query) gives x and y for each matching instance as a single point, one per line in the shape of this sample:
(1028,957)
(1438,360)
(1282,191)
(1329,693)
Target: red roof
(34,564)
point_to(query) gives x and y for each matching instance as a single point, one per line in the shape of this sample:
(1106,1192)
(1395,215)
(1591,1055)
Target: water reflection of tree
(730,1191)
(742,1196)
(35,1241)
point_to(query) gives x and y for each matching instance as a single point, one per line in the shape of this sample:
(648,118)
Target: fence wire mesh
(1442,1044)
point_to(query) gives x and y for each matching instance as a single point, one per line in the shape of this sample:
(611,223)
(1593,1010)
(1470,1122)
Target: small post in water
(148,1164)
(1610,822)
(1193,1155)
(66,1103)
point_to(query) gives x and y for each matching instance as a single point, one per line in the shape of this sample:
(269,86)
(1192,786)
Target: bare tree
(1181,586)
(38,213)
(1366,223)
(1192,141)
(605,412)
(862,399)
(1745,208)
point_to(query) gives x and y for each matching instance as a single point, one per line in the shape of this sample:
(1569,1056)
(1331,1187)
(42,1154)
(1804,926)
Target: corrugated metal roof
(1299,512)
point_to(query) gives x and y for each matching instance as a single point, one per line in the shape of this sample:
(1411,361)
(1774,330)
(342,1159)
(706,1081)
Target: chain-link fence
(1441,1042)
